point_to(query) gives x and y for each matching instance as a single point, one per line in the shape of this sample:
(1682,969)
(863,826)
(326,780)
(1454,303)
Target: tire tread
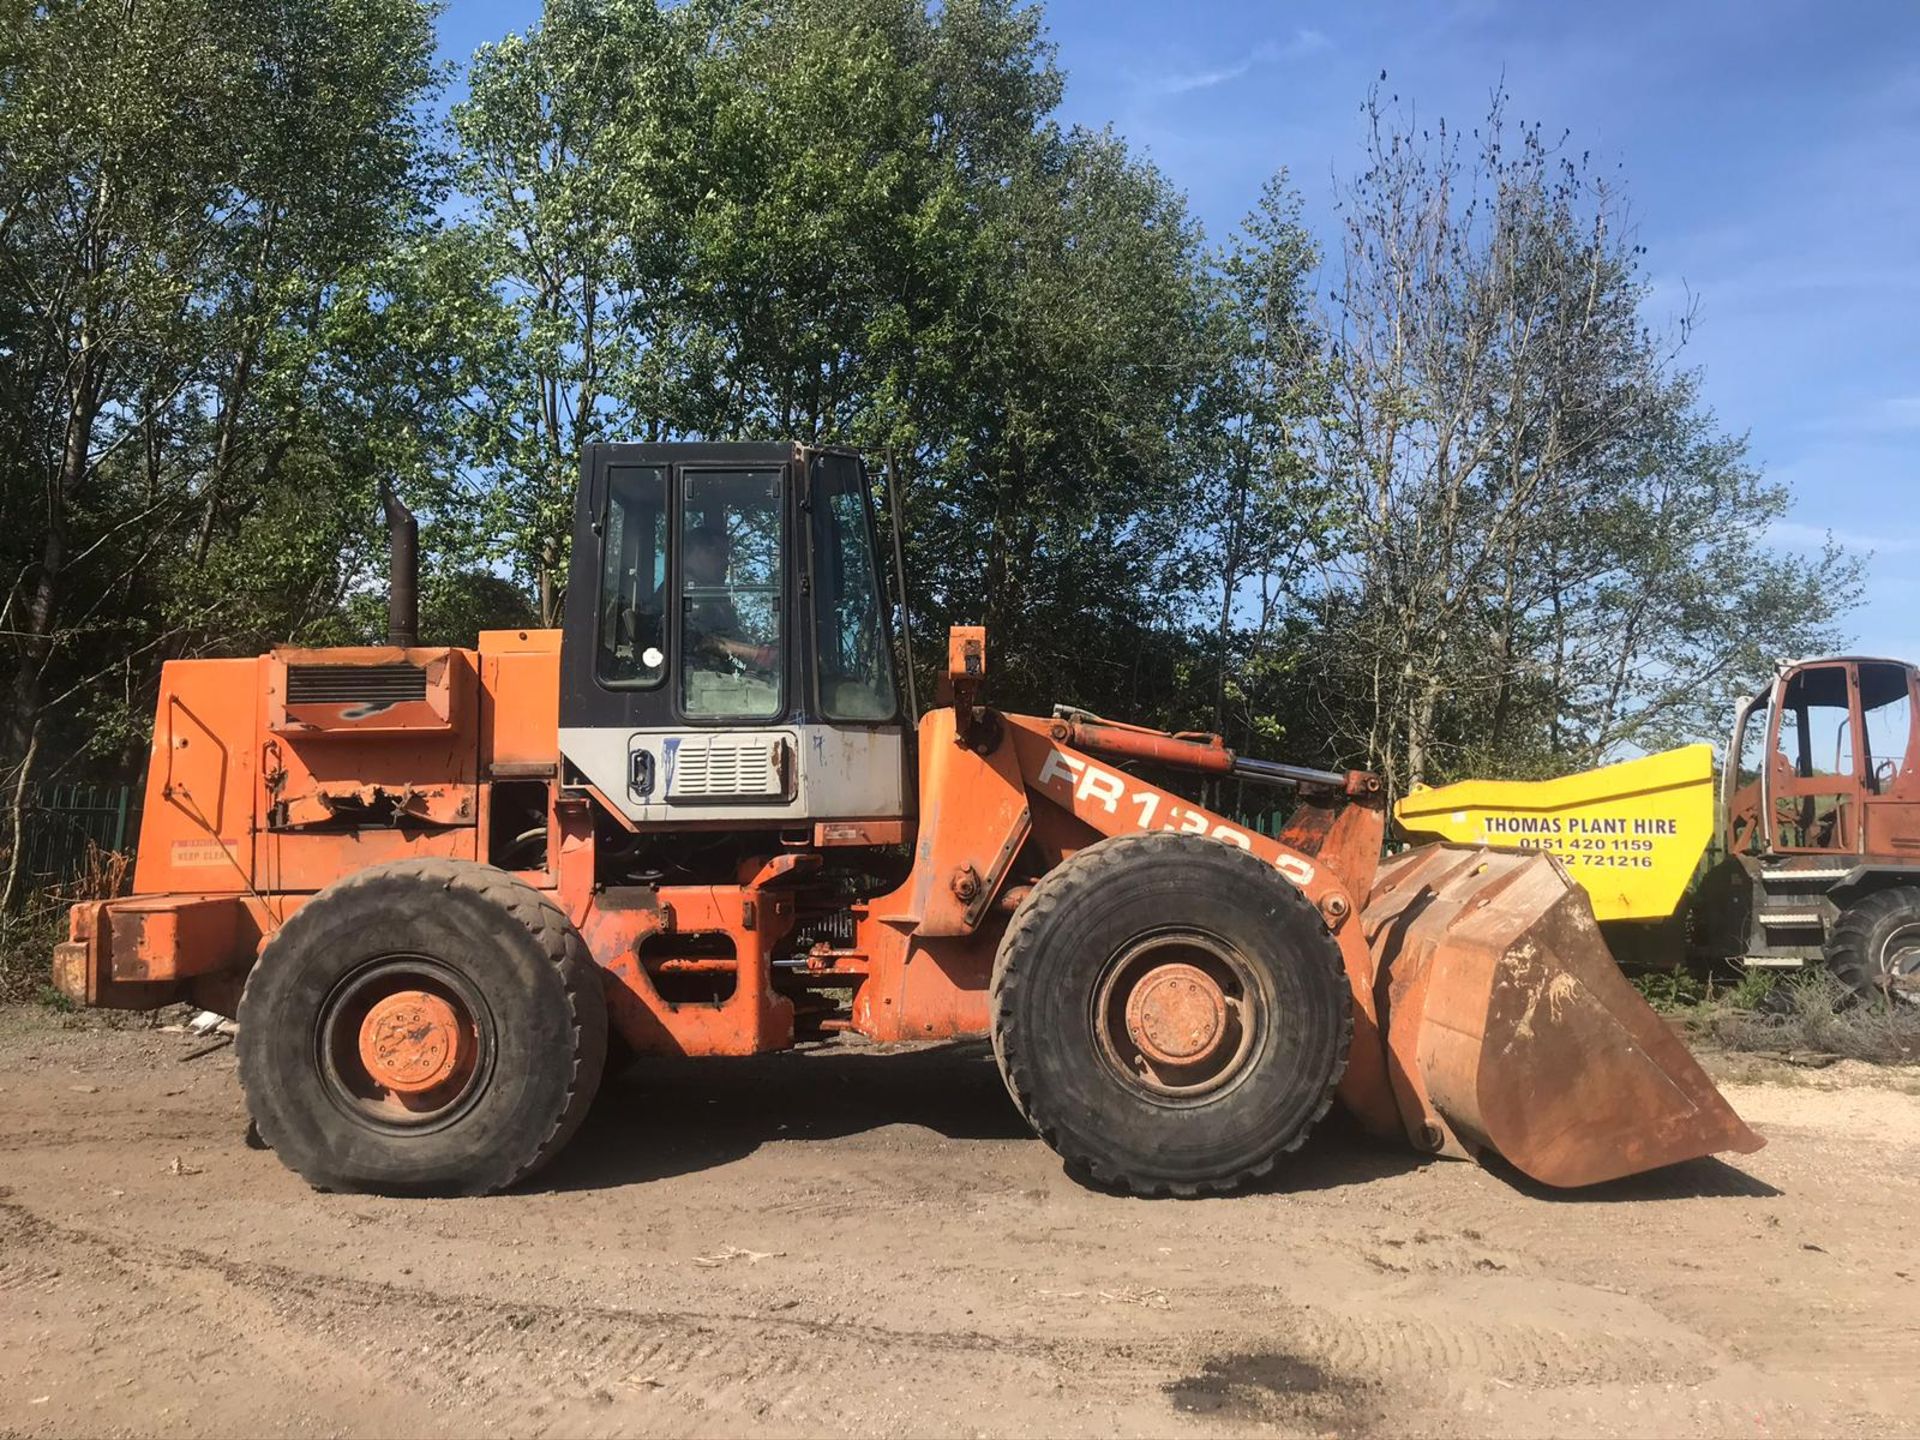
(540,918)
(1090,868)
(1850,945)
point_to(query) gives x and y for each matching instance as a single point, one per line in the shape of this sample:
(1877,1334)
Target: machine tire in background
(1170,1014)
(423,1027)
(1877,938)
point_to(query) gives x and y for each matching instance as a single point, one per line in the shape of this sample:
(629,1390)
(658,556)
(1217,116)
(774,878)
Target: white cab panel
(794,773)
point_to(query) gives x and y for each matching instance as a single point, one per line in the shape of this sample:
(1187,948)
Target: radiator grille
(355,684)
(719,769)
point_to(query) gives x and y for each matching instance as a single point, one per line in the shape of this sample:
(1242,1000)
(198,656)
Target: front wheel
(1170,1014)
(422,1027)
(1875,946)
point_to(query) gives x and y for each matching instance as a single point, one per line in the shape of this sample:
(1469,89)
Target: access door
(1813,785)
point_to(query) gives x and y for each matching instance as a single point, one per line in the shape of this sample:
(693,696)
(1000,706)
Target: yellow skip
(1631,834)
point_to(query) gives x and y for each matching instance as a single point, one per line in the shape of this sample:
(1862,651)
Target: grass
(1794,1014)
(26,953)
(28,937)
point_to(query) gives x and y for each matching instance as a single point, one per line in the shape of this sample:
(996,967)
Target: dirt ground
(846,1241)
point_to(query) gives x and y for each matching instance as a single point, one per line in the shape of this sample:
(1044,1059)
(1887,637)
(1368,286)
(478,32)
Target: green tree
(852,223)
(182,188)
(1546,551)
(1263,512)
(574,158)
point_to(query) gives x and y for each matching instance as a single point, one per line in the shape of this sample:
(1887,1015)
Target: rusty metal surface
(749,1018)
(136,953)
(1345,837)
(412,1042)
(1177,1014)
(1510,1029)
(169,937)
(974,817)
(1209,755)
(966,672)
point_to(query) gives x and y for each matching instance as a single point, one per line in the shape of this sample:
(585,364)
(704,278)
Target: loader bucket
(1510,1029)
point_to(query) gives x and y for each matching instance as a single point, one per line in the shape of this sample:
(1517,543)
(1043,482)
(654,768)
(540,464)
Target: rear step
(1791,919)
(1798,876)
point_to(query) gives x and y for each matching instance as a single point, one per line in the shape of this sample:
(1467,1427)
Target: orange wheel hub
(1177,1015)
(414,1041)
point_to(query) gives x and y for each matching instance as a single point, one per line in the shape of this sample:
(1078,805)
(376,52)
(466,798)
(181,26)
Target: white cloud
(1196,79)
(1304,42)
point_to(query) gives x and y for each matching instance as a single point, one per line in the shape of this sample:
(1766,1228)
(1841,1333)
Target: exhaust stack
(403,572)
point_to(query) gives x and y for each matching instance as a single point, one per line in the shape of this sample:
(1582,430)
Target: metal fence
(60,822)
(1262,822)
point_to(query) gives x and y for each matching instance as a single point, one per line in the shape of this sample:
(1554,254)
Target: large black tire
(488,951)
(1876,941)
(1141,916)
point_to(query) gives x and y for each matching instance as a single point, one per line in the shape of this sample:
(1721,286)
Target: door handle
(640,773)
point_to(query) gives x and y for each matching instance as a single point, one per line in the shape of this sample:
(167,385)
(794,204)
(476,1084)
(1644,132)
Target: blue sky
(1770,150)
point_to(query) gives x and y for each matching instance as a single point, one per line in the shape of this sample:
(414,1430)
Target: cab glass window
(1816,729)
(631,654)
(856,670)
(730,594)
(1886,705)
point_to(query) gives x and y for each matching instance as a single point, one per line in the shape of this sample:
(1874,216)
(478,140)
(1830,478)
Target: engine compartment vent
(367,690)
(714,768)
(355,684)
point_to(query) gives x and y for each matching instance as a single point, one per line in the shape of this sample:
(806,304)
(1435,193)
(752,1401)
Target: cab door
(858,751)
(1812,786)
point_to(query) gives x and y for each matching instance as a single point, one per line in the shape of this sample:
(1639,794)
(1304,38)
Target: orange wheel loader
(434,885)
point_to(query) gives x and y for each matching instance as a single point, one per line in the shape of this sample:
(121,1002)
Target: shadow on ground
(1707,1178)
(660,1118)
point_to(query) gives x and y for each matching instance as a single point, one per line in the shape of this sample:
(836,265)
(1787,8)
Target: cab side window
(1816,731)
(631,653)
(1886,705)
(856,668)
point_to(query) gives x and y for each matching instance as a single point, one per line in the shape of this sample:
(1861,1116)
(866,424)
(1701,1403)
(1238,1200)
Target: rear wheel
(422,1027)
(1170,1014)
(1875,946)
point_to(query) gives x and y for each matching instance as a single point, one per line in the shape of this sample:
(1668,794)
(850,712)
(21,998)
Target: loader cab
(1824,761)
(727,660)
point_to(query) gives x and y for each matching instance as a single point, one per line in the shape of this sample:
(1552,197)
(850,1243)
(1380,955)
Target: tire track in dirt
(72,1136)
(1428,1351)
(517,1359)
